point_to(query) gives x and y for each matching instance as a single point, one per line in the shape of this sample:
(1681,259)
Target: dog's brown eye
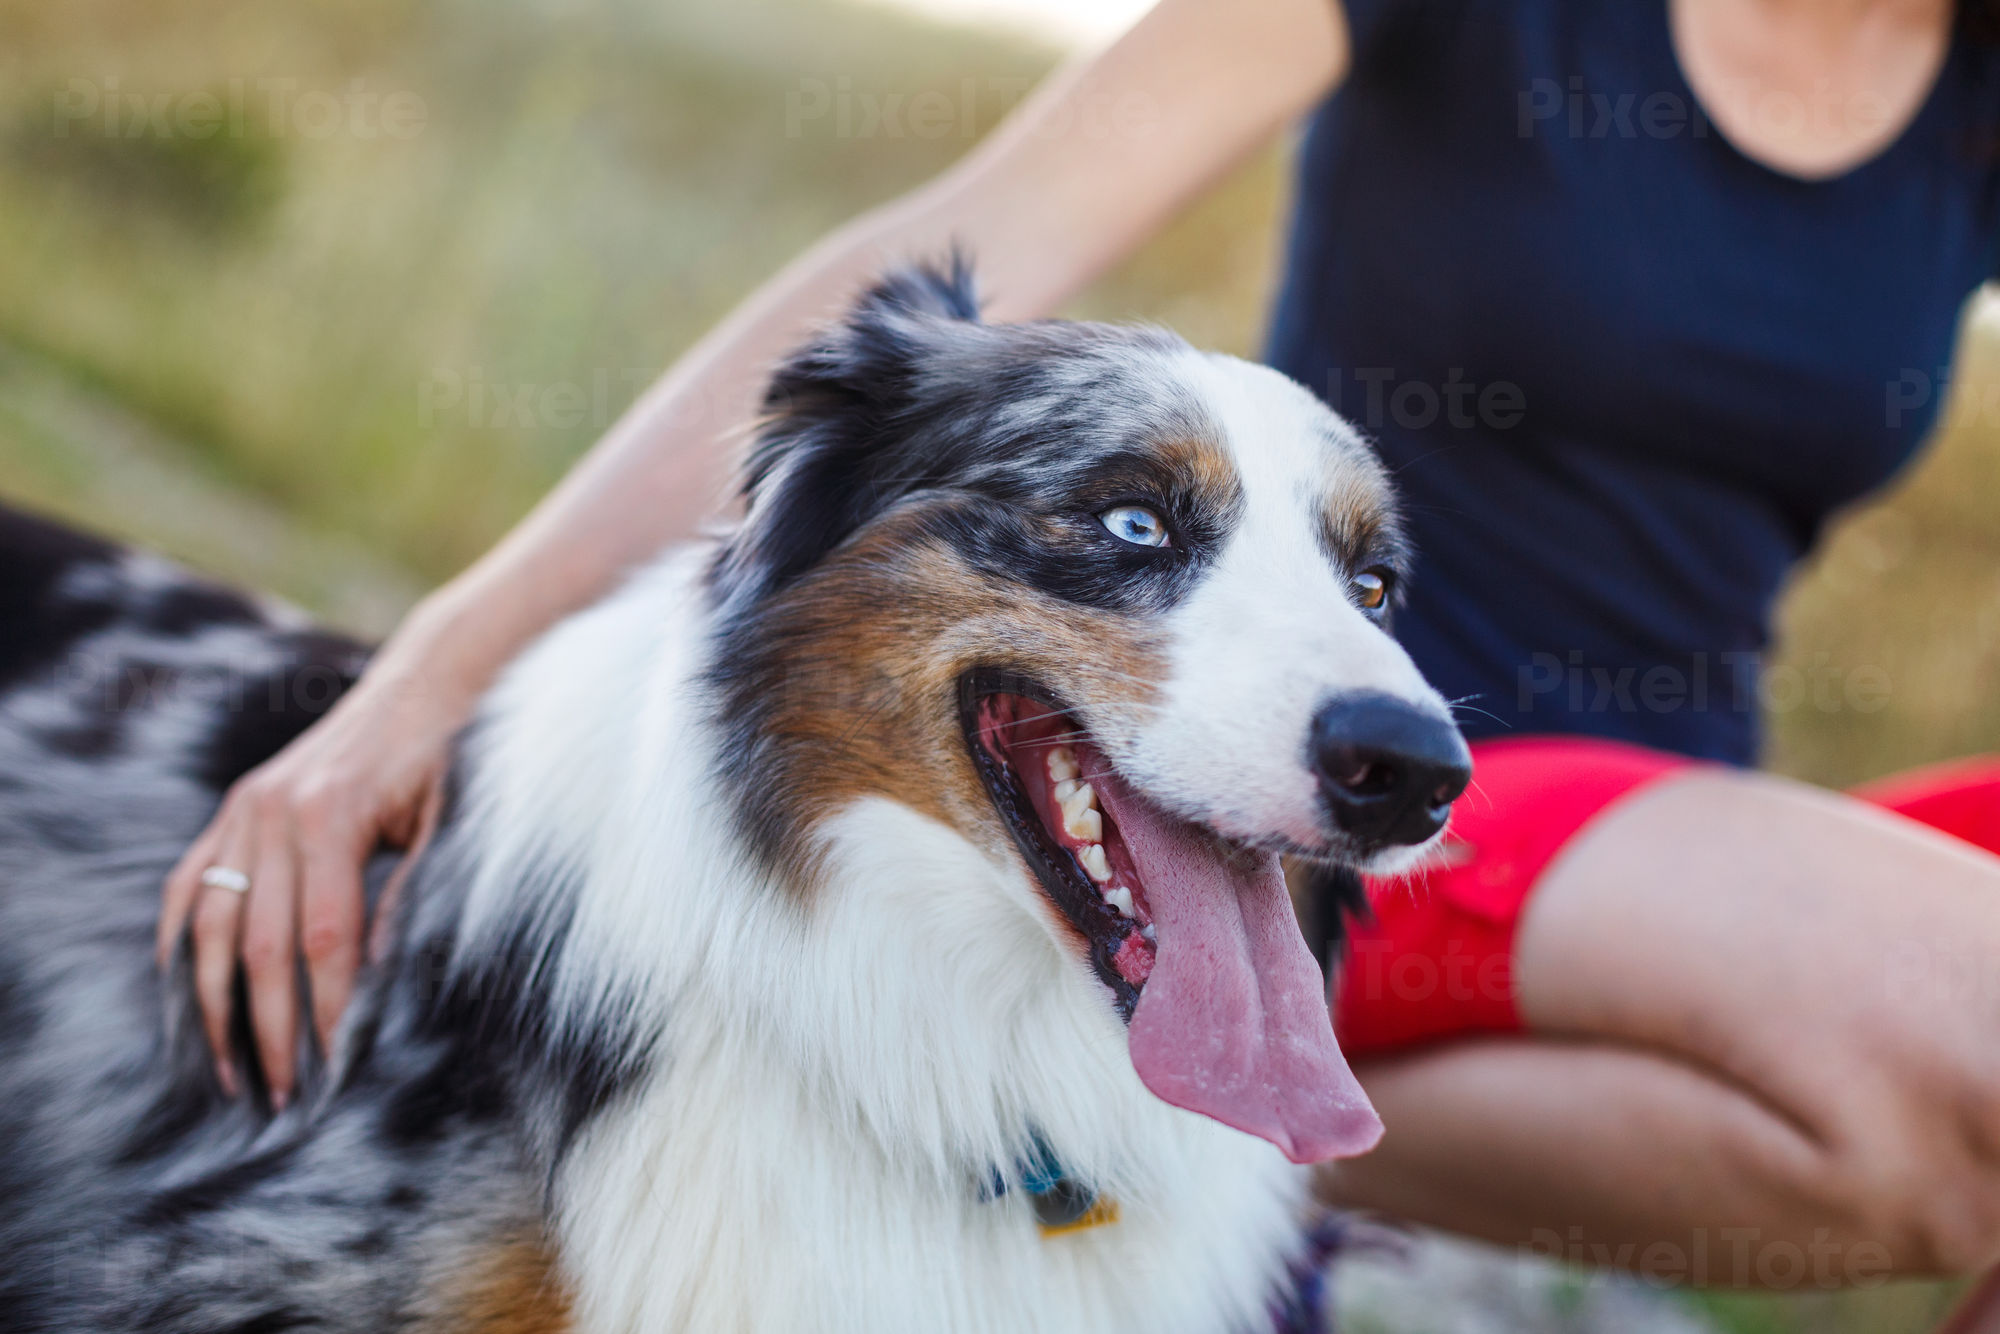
(1371,590)
(1135,524)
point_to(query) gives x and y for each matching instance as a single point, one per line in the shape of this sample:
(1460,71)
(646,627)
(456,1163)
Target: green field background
(241,347)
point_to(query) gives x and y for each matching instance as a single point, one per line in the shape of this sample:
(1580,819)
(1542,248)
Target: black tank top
(1621,371)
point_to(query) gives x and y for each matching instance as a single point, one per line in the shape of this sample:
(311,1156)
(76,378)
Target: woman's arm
(1083,171)
(1089,166)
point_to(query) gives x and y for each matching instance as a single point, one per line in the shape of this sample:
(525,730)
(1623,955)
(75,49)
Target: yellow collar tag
(1100,1212)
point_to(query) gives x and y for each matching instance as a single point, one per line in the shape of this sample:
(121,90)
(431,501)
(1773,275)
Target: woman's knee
(1930,1198)
(1841,961)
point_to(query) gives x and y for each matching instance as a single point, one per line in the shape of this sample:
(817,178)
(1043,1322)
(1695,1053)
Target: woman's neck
(1811,88)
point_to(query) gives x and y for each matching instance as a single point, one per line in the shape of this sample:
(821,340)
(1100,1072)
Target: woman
(1651,268)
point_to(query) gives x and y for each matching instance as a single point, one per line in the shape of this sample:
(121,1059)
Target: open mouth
(1194,937)
(1050,783)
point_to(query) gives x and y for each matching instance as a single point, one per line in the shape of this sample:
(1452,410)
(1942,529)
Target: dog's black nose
(1389,770)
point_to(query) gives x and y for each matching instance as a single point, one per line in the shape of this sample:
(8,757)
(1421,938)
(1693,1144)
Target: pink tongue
(1233,1021)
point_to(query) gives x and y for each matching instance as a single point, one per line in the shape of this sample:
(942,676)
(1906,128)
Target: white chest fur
(831,1084)
(724,1199)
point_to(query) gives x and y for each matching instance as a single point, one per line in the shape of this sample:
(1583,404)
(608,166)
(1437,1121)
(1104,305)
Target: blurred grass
(1893,1308)
(1906,588)
(221,346)
(592,186)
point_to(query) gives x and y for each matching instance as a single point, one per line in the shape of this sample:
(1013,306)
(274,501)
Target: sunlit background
(1068,24)
(334,347)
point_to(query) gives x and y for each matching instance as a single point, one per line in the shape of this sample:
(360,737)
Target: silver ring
(226,877)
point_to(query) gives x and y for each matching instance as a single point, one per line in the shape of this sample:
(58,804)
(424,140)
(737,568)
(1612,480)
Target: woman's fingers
(392,892)
(330,858)
(218,920)
(270,963)
(303,854)
(308,819)
(183,889)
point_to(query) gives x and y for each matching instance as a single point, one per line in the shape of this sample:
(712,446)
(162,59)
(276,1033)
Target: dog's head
(1115,611)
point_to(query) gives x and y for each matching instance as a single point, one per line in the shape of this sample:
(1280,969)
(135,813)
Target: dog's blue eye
(1135,524)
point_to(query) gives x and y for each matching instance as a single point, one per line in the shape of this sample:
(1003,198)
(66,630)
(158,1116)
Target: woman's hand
(301,827)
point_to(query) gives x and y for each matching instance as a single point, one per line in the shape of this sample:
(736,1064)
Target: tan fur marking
(1202,465)
(1357,510)
(511,1288)
(865,676)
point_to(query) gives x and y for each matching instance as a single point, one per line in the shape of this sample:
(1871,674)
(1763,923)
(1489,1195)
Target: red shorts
(1437,961)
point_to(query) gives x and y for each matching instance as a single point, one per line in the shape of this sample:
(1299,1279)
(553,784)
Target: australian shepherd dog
(871,919)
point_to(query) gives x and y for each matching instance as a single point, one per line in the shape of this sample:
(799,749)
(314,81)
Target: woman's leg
(1755,1007)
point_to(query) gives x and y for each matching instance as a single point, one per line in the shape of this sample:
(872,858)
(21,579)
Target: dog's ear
(837,409)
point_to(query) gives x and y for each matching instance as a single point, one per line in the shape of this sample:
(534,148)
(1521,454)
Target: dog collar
(1062,1204)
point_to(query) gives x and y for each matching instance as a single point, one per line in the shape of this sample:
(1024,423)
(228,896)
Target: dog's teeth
(1063,790)
(1150,934)
(1062,763)
(1120,898)
(1095,864)
(1081,819)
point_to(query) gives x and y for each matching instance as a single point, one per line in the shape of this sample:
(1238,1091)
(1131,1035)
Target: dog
(868,919)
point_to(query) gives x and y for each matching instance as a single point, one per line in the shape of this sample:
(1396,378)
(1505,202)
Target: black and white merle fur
(677,1032)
